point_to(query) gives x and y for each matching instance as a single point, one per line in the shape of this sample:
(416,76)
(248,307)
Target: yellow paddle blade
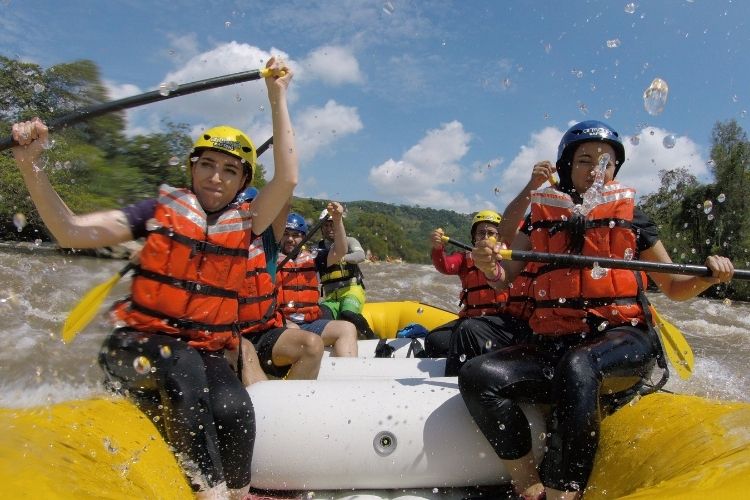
(88,307)
(675,345)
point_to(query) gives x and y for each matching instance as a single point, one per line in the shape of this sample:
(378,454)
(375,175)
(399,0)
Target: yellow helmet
(486,216)
(231,141)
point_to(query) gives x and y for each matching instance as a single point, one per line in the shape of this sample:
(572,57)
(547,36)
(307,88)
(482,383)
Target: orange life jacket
(298,288)
(190,273)
(477,296)
(258,294)
(570,300)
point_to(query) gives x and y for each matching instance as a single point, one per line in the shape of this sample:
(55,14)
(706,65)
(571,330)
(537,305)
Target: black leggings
(565,372)
(197,400)
(437,342)
(478,335)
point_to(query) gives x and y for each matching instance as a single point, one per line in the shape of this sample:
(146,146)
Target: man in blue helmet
(299,292)
(589,327)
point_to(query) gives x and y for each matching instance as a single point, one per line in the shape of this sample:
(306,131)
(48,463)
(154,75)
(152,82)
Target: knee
(346,330)
(473,377)
(578,368)
(312,345)
(234,411)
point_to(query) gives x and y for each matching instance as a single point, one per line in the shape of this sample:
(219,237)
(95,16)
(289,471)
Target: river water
(39,288)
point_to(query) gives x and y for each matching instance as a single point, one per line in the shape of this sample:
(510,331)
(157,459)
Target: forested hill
(392,231)
(95,166)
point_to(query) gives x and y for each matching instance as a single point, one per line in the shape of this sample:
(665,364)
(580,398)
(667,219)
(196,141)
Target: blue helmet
(247,194)
(296,222)
(590,130)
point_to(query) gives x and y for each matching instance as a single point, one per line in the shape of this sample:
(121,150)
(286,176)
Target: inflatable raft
(373,429)
(662,446)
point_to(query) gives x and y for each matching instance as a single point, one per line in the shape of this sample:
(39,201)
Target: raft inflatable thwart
(371,429)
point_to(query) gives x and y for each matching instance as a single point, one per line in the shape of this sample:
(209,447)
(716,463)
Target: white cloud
(640,170)
(318,127)
(542,145)
(643,162)
(244,105)
(120,90)
(182,48)
(482,169)
(431,163)
(334,65)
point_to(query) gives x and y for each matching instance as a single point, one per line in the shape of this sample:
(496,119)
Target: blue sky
(438,103)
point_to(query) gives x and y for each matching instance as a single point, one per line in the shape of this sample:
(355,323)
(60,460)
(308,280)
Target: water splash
(655,97)
(593,195)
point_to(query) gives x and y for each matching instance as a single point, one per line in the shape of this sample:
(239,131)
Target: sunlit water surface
(39,288)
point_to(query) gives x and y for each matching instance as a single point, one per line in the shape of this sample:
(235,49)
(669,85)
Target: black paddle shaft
(141,99)
(635,265)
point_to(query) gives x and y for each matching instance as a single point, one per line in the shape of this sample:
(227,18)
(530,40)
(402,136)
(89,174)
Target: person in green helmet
(342,286)
(167,350)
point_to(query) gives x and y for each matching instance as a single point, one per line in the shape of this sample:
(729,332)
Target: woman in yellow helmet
(483,312)
(167,349)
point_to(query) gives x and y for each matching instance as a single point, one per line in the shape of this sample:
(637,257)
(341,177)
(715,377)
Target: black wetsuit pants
(566,372)
(194,396)
(478,335)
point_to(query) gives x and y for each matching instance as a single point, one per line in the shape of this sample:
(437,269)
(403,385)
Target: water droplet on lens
(721,198)
(598,272)
(141,365)
(635,140)
(628,254)
(38,87)
(174,161)
(655,97)
(153,224)
(228,24)
(613,44)
(602,326)
(630,8)
(420,310)
(388,8)
(462,358)
(165,351)
(669,141)
(163,90)
(548,372)
(19,220)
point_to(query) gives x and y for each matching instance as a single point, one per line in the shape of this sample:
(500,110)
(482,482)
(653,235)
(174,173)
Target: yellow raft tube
(661,446)
(387,318)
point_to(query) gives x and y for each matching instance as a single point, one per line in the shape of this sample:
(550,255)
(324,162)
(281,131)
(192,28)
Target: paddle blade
(87,308)
(676,346)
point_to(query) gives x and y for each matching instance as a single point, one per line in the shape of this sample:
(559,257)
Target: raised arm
(516,209)
(278,190)
(340,243)
(97,229)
